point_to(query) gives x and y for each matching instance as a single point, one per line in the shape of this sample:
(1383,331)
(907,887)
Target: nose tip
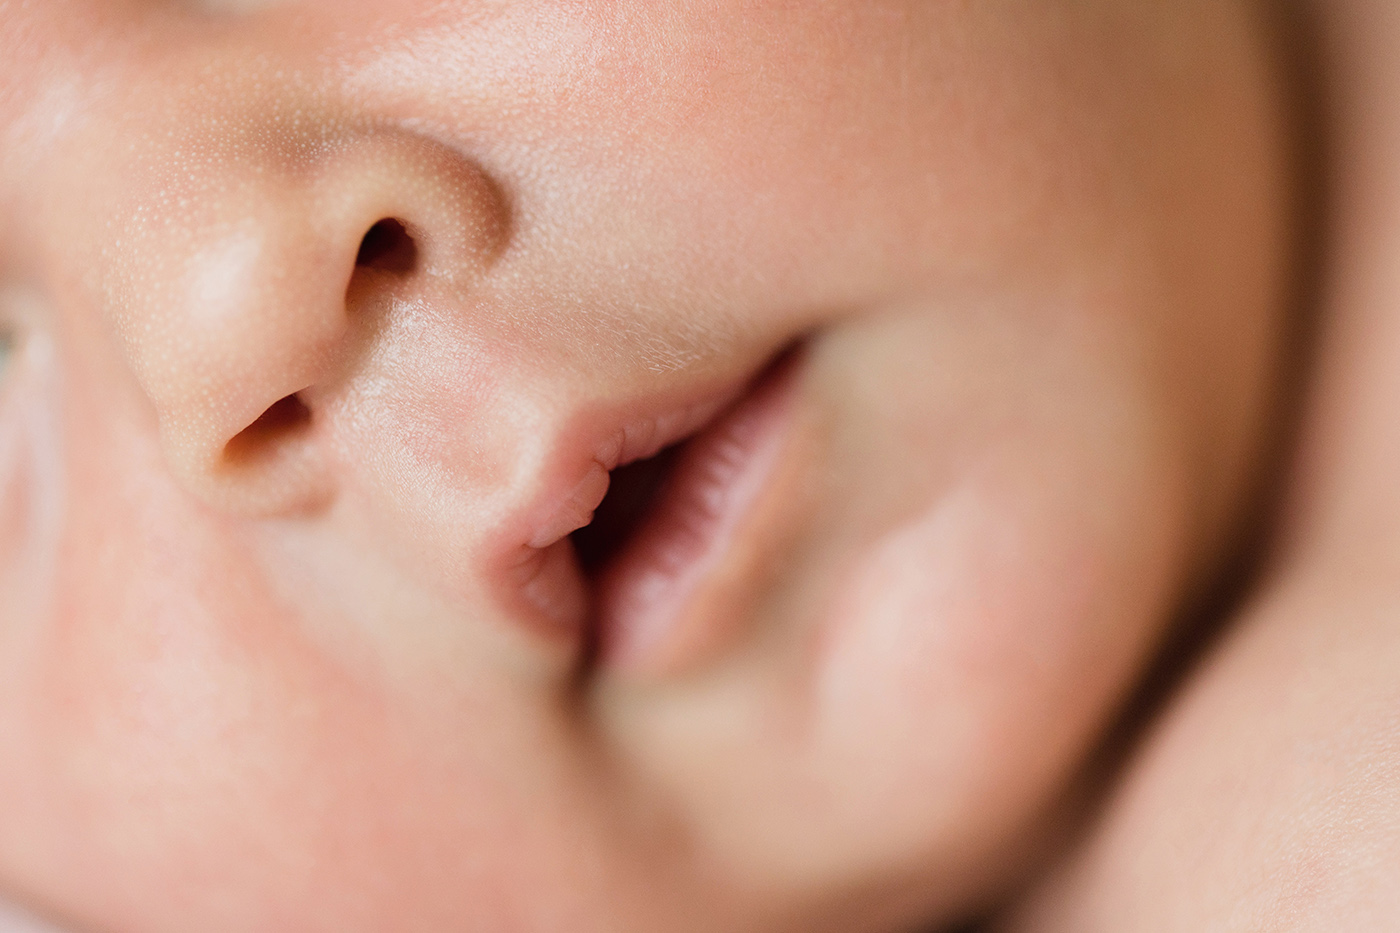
(251,285)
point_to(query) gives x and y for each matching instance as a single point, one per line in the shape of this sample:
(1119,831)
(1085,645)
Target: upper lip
(564,507)
(571,477)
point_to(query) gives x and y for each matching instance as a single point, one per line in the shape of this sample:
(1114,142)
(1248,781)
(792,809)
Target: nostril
(389,247)
(286,419)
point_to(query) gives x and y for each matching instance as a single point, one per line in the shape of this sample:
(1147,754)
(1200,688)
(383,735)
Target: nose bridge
(230,234)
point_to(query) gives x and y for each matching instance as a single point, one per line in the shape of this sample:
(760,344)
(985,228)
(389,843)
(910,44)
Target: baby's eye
(7,349)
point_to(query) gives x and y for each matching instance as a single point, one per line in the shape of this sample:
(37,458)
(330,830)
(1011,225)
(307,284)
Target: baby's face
(328,321)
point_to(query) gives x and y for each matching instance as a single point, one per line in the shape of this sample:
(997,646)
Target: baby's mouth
(632,496)
(626,562)
(690,516)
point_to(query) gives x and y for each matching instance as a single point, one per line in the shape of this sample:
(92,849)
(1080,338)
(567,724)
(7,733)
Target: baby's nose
(247,266)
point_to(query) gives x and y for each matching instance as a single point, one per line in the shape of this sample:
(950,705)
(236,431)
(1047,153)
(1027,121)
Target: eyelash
(7,350)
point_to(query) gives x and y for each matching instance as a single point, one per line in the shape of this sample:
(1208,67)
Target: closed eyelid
(9,351)
(32,469)
(233,6)
(13,328)
(26,349)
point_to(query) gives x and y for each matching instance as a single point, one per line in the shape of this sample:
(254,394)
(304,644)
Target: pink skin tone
(337,667)
(1265,796)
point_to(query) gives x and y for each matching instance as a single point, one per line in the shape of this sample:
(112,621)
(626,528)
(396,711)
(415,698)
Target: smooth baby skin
(966,315)
(1265,798)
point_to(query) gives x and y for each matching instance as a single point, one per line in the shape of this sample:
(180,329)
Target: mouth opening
(661,528)
(634,489)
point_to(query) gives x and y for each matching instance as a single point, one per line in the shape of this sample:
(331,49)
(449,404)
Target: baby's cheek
(998,579)
(967,653)
(987,524)
(189,746)
(188,721)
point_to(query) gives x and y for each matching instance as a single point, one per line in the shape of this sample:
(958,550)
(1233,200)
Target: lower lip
(651,606)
